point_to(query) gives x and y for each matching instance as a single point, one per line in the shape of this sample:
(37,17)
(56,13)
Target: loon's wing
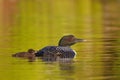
(46,51)
(65,52)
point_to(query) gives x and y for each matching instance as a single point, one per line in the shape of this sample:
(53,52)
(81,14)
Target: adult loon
(63,50)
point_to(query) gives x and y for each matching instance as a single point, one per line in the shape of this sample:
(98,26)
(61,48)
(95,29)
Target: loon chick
(63,50)
(30,55)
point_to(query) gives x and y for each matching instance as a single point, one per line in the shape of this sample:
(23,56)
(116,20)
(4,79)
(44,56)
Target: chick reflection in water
(62,52)
(30,55)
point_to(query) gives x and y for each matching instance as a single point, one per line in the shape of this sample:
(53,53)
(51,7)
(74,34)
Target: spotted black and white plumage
(62,52)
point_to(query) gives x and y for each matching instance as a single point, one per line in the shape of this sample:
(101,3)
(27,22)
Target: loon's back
(55,51)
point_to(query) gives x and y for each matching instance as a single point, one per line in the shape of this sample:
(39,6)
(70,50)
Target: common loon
(63,50)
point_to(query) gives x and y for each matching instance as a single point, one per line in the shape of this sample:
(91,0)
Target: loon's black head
(69,40)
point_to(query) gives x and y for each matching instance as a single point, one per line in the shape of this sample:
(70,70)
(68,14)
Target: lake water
(35,24)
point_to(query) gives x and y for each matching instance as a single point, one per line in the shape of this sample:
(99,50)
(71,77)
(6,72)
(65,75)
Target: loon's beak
(80,40)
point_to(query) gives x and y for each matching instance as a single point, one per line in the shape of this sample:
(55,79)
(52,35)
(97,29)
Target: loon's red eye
(70,39)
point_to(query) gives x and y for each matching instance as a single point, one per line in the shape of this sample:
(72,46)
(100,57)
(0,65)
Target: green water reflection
(38,23)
